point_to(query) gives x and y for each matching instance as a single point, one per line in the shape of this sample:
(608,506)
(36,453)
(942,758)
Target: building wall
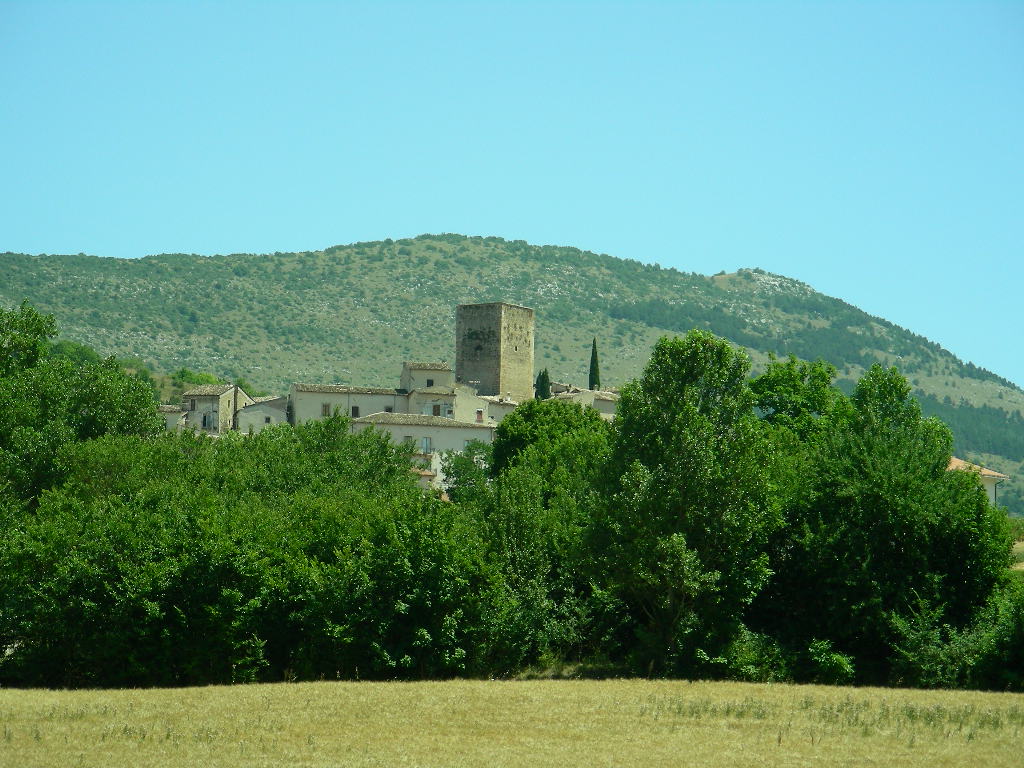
(602,402)
(208,406)
(467,404)
(173,419)
(494,346)
(253,418)
(225,416)
(308,406)
(425,402)
(990,484)
(499,410)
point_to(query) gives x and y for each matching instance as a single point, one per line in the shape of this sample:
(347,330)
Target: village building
(211,408)
(498,407)
(311,402)
(263,412)
(425,375)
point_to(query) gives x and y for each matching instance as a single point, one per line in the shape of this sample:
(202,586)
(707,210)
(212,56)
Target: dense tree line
(765,529)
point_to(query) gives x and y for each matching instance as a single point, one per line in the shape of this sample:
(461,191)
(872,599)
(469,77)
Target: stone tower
(494,349)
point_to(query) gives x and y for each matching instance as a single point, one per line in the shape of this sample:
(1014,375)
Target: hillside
(353,313)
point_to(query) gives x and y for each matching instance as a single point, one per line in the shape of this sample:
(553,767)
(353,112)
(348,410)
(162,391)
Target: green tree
(795,394)
(538,509)
(24,336)
(53,402)
(542,387)
(880,534)
(539,421)
(466,472)
(594,380)
(684,534)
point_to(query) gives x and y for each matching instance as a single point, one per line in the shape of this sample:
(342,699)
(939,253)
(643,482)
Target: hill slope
(353,313)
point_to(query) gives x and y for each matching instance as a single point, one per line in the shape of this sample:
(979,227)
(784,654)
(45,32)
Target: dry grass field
(536,723)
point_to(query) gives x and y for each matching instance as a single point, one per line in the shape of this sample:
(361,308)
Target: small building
(989,478)
(263,412)
(430,436)
(211,408)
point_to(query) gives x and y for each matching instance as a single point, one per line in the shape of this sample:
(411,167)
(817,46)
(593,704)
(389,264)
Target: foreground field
(539,723)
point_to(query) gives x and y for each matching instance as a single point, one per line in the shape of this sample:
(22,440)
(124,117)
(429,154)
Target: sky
(874,150)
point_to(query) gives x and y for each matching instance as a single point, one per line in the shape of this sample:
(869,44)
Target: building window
(355,411)
(266,419)
(191,405)
(388,409)
(465,444)
(325,410)
(430,382)
(424,445)
(437,410)
(480,415)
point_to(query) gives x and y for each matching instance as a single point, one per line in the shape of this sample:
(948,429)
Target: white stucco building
(262,412)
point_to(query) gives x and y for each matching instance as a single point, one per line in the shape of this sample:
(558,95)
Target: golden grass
(536,723)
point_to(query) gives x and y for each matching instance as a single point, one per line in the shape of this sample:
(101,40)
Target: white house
(498,406)
(263,412)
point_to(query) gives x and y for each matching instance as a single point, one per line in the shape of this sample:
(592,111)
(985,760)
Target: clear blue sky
(873,149)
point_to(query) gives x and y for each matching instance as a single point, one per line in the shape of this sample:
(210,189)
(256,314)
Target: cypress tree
(542,388)
(595,368)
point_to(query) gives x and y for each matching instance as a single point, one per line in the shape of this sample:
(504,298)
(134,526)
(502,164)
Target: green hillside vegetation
(353,313)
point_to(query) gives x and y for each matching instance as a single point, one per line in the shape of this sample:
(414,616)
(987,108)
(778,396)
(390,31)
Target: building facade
(211,408)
